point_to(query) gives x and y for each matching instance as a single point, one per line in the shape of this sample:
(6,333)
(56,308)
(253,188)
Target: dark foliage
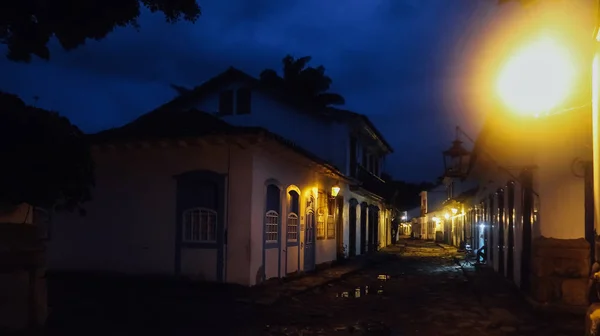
(26,26)
(305,84)
(46,160)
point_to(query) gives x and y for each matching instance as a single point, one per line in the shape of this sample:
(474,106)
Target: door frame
(200,177)
(353,203)
(309,210)
(363,228)
(339,223)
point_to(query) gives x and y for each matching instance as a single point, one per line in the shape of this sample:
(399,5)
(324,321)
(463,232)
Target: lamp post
(456,158)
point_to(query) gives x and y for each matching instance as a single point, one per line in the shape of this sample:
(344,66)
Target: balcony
(370,182)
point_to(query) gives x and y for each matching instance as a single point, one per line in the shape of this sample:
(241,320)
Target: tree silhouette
(307,85)
(47,161)
(26,26)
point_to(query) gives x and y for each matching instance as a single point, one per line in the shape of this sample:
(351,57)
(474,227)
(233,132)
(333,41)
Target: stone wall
(560,271)
(22,278)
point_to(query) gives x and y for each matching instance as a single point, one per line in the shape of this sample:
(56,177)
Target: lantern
(456,160)
(335,190)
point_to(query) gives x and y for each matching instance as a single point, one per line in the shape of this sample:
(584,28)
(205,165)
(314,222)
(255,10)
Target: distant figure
(482,253)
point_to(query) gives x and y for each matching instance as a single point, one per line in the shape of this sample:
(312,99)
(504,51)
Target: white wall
(130,224)
(314,132)
(550,145)
(292,172)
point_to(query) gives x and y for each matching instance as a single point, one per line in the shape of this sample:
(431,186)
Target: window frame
(200,211)
(291,217)
(270,214)
(322,213)
(330,229)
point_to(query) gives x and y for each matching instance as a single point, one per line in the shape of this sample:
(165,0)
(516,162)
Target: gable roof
(349,115)
(233,74)
(177,124)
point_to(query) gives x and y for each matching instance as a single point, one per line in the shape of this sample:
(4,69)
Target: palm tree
(307,85)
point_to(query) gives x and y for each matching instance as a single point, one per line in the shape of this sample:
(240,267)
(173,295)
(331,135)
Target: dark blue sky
(401,62)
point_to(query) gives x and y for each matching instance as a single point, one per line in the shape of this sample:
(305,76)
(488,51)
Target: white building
(229,183)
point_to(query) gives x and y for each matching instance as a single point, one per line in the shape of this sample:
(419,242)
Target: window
(321,215)
(292,220)
(244,101)
(272,226)
(199,225)
(226,102)
(272,215)
(292,227)
(330,218)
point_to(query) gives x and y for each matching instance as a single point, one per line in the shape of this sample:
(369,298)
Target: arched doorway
(309,236)
(363,228)
(352,228)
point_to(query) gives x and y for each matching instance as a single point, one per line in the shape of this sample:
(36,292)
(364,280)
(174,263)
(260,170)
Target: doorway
(309,236)
(352,228)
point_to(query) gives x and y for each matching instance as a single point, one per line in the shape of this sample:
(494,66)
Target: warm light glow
(435,219)
(536,78)
(454,211)
(335,190)
(447,216)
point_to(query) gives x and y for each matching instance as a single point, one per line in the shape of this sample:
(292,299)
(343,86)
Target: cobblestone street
(421,292)
(418,290)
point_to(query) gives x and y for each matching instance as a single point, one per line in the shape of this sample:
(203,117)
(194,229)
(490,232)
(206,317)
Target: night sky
(404,63)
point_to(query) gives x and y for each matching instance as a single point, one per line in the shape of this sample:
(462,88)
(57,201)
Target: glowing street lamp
(537,78)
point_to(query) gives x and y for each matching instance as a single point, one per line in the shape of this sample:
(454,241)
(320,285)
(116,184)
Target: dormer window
(243,101)
(226,103)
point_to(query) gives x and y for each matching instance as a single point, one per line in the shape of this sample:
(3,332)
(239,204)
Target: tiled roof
(233,74)
(161,124)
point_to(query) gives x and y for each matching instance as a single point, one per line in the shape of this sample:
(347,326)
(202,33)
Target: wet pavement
(420,290)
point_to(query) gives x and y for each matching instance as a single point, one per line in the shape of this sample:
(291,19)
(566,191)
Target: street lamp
(537,78)
(456,159)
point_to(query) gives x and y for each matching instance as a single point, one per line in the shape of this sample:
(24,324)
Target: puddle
(361,291)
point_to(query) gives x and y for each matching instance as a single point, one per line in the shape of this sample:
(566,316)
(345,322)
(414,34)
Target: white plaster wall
(311,131)
(551,145)
(289,169)
(130,225)
(294,171)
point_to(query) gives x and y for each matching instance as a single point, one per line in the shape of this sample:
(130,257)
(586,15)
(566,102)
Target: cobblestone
(420,291)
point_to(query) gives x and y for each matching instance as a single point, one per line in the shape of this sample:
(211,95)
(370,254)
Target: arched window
(199,225)
(292,219)
(271,226)
(272,214)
